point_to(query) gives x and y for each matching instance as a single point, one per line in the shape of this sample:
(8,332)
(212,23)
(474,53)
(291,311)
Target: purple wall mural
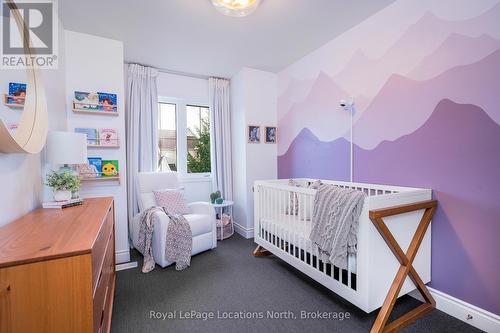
(428,103)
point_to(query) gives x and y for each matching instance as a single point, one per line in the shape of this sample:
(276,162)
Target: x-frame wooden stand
(405,268)
(261,252)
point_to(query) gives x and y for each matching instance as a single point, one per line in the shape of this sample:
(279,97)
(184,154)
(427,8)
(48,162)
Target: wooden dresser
(57,270)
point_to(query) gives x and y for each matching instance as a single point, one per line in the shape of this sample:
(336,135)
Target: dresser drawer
(103,285)
(51,264)
(108,305)
(99,248)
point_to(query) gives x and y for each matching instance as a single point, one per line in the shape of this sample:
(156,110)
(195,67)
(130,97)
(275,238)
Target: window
(183,137)
(167,137)
(198,139)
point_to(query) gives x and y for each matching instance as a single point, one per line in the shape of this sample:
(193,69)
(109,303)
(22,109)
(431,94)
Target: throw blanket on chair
(179,240)
(335,223)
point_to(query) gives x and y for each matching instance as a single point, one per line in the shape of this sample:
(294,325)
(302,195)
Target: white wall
(96,64)
(21,174)
(253,102)
(187,90)
(183,87)
(238,147)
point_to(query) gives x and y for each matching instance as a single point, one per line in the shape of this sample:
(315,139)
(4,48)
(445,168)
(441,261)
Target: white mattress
(297,232)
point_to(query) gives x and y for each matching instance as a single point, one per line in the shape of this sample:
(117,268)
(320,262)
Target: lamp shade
(66,148)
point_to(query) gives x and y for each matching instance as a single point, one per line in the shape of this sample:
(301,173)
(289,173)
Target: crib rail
(284,221)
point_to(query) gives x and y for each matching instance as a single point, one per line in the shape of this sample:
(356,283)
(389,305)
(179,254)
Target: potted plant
(214,196)
(63,184)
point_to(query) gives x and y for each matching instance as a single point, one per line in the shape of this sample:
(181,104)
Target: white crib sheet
(285,226)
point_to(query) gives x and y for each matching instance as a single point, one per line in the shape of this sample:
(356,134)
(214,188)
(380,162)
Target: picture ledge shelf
(99,112)
(102,146)
(101,179)
(11,105)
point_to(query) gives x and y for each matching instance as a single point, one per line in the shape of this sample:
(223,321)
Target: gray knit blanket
(335,223)
(179,240)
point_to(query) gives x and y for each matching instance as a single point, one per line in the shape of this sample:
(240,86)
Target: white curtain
(219,102)
(141,126)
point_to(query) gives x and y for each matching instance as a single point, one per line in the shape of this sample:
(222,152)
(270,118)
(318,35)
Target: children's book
(86,101)
(96,164)
(62,204)
(107,102)
(108,137)
(92,137)
(87,171)
(110,168)
(17,93)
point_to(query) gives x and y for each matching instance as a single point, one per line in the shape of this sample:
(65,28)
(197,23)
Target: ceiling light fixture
(238,8)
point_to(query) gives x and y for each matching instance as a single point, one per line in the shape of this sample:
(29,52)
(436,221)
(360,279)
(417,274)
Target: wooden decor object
(405,268)
(261,252)
(31,132)
(57,270)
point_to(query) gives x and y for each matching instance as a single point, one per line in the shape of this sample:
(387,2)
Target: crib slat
(259,217)
(348,272)
(264,202)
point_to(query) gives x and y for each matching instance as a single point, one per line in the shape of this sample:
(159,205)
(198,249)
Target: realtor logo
(36,44)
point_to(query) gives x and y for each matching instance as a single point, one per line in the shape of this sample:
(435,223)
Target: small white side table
(225,207)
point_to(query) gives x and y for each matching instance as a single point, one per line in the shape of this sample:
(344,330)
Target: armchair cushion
(200,224)
(201,208)
(172,200)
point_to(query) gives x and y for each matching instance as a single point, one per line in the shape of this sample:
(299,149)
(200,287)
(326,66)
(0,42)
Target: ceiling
(191,36)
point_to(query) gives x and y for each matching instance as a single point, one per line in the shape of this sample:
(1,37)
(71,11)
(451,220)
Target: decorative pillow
(172,201)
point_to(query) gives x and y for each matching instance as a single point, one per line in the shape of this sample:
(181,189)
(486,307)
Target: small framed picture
(253,134)
(270,134)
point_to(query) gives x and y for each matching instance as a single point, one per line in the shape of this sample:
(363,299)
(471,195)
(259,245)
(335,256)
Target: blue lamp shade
(66,148)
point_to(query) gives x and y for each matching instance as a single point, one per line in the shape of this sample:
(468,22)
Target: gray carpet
(229,279)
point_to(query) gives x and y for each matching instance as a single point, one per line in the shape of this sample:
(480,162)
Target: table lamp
(66,148)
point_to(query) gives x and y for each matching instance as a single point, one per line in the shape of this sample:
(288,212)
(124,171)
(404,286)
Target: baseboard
(243,231)
(122,256)
(468,313)
(127,265)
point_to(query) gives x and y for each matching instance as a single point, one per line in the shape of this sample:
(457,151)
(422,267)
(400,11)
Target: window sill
(195,178)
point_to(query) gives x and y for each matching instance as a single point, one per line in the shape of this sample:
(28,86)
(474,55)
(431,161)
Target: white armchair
(201,217)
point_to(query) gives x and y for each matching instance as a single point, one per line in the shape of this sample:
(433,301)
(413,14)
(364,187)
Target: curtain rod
(168,71)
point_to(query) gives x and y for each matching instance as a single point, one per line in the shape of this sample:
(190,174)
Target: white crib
(371,271)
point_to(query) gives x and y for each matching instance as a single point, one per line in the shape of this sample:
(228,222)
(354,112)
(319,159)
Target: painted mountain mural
(403,104)
(311,158)
(363,76)
(457,50)
(321,103)
(455,153)
(296,92)
(428,115)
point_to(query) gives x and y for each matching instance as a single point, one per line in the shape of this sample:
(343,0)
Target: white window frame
(181,131)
